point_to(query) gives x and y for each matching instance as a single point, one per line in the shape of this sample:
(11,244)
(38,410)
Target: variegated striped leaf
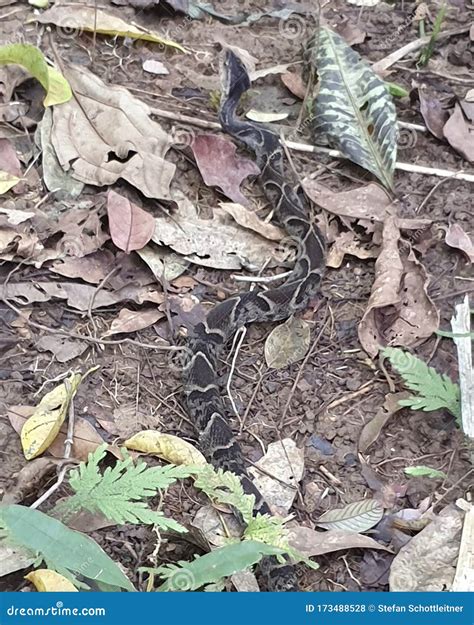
(353,110)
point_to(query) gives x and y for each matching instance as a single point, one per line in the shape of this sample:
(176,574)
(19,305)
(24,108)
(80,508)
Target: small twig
(94,295)
(236,345)
(262,279)
(461,324)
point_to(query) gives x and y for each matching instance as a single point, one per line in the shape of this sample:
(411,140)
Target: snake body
(202,395)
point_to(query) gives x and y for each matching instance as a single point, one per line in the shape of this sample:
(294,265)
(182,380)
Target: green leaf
(32,59)
(434,390)
(117,493)
(353,110)
(397,90)
(214,566)
(66,551)
(422,471)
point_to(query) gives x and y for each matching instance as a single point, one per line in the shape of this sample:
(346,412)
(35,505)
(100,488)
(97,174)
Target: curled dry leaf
(133,320)
(399,311)
(287,343)
(313,543)
(221,167)
(113,138)
(131,228)
(248,219)
(457,238)
(359,517)
(459,133)
(371,430)
(40,430)
(45,580)
(282,468)
(171,448)
(428,562)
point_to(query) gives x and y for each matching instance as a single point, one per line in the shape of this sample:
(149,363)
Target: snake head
(235,79)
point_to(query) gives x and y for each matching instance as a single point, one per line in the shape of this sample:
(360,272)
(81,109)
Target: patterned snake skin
(203,399)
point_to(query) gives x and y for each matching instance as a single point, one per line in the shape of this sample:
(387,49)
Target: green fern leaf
(434,390)
(118,493)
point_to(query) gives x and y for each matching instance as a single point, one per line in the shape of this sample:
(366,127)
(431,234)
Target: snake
(204,402)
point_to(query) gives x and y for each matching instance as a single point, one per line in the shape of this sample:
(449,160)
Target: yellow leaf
(7,181)
(80,17)
(40,430)
(46,580)
(32,59)
(171,448)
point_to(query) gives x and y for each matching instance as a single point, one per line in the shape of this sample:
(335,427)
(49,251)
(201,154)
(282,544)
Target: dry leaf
(79,17)
(29,479)
(248,219)
(171,448)
(217,242)
(434,114)
(216,526)
(428,562)
(155,67)
(133,320)
(282,468)
(163,263)
(113,137)
(40,430)
(220,166)
(399,311)
(86,438)
(312,543)
(45,580)
(294,83)
(460,134)
(14,216)
(287,343)
(346,243)
(356,517)
(64,349)
(457,238)
(371,430)
(92,268)
(265,118)
(131,228)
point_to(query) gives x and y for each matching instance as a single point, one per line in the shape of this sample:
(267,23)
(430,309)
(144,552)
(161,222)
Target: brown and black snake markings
(203,399)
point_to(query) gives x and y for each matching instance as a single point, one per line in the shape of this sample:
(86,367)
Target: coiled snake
(204,402)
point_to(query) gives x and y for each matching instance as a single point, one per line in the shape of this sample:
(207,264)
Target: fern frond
(119,491)
(434,390)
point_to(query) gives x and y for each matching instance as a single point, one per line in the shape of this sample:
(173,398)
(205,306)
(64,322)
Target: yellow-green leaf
(171,448)
(40,430)
(32,59)
(46,580)
(7,181)
(79,17)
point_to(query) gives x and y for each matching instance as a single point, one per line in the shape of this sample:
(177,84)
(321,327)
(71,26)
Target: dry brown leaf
(113,137)
(171,448)
(460,134)
(434,114)
(428,562)
(221,167)
(217,242)
(133,320)
(64,349)
(28,479)
(248,219)
(163,263)
(356,517)
(131,228)
(287,343)
(399,311)
(313,543)
(282,469)
(294,83)
(371,430)
(8,158)
(346,243)
(457,238)
(91,268)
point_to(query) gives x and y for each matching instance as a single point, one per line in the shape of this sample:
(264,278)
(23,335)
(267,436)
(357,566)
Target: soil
(340,388)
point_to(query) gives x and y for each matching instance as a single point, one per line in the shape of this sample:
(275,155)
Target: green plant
(427,52)
(433,390)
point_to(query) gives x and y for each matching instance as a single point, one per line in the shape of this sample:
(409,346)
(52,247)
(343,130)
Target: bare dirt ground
(338,388)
